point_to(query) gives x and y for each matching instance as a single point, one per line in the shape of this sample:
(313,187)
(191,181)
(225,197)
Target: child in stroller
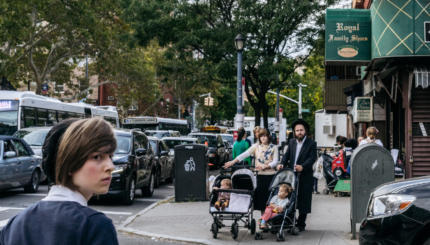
(239,208)
(223,197)
(284,180)
(277,204)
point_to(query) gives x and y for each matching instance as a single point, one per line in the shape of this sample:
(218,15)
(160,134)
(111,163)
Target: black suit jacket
(307,157)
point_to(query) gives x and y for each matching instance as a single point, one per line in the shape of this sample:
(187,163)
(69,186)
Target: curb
(123,227)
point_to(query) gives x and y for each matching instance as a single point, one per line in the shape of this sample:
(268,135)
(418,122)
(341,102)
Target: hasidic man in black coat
(300,156)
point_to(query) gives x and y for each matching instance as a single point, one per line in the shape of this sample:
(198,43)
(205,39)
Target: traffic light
(211,101)
(206,101)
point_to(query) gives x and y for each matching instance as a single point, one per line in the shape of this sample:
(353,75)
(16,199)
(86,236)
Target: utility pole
(300,99)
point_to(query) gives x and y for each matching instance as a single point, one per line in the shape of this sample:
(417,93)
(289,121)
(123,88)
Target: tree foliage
(274,30)
(42,36)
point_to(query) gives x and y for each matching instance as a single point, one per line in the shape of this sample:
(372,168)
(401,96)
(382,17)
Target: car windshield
(122,144)
(157,134)
(153,145)
(228,138)
(172,143)
(33,138)
(211,139)
(8,117)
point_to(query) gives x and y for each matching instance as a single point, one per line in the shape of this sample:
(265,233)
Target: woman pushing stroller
(266,158)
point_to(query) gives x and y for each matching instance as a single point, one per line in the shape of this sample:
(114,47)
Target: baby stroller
(287,218)
(240,206)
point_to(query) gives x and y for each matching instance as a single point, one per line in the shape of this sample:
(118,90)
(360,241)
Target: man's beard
(300,137)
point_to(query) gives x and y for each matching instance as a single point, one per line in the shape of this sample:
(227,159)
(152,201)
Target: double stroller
(240,207)
(286,220)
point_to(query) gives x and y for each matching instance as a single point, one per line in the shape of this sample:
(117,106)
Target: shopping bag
(318,168)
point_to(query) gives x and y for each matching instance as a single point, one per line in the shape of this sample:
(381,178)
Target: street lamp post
(239,43)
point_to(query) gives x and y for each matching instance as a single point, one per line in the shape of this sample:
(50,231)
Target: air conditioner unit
(110,98)
(329,129)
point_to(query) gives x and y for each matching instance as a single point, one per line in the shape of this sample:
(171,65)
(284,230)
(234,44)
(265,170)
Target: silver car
(19,167)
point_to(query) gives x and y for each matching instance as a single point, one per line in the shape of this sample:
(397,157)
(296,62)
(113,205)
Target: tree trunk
(265,114)
(257,110)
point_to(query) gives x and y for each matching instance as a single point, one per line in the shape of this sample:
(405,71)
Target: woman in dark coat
(300,156)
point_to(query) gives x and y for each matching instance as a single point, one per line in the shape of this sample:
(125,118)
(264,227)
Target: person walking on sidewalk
(241,145)
(77,154)
(300,156)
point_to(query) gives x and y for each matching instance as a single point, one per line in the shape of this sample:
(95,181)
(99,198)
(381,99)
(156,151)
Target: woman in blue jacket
(77,156)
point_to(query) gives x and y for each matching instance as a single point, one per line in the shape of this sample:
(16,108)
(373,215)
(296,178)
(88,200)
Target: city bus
(157,123)
(20,109)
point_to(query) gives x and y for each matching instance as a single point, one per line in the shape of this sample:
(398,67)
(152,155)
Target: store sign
(363,109)
(348,35)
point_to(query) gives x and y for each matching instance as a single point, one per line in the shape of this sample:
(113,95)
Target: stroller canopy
(284,176)
(244,179)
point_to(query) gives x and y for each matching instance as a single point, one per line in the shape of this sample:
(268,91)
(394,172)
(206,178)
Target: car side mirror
(141,151)
(164,153)
(9,154)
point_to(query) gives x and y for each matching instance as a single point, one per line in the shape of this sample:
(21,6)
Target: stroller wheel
(280,236)
(252,226)
(258,236)
(326,191)
(214,230)
(234,230)
(295,231)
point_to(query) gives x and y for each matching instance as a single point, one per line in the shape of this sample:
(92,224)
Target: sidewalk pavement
(190,222)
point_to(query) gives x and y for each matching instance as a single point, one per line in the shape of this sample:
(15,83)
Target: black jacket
(307,157)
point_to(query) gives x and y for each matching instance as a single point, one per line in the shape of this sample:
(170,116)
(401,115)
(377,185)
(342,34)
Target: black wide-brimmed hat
(300,122)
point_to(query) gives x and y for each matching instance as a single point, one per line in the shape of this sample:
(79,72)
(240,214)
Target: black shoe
(301,228)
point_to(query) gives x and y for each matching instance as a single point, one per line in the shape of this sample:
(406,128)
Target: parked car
(162,133)
(171,142)
(164,161)
(34,137)
(135,166)
(216,148)
(398,213)
(19,167)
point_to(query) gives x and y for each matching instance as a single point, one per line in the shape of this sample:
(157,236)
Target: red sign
(243,81)
(280,110)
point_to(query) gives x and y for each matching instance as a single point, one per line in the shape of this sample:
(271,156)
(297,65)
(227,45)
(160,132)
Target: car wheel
(129,193)
(157,179)
(149,189)
(33,185)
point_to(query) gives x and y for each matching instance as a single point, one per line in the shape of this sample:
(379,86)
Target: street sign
(306,110)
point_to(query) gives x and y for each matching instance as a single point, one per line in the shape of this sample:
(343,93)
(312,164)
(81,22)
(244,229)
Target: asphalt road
(14,201)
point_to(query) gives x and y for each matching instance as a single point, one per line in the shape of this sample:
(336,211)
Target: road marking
(115,213)
(147,200)
(3,222)
(7,208)
(33,194)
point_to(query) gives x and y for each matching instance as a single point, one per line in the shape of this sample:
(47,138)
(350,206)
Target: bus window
(52,118)
(29,116)
(111,120)
(63,115)
(42,117)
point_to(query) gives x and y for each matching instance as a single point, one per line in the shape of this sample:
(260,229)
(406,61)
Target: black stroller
(240,208)
(285,220)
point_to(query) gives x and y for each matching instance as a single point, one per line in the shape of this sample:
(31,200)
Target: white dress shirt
(298,148)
